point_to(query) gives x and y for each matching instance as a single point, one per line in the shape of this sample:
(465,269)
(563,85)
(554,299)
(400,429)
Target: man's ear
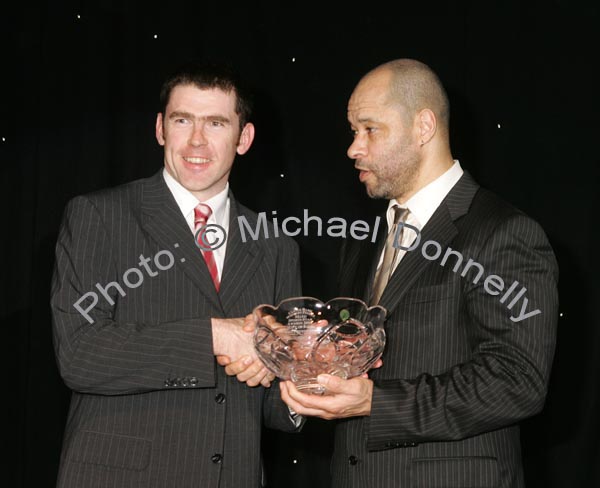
(246,138)
(427,125)
(159,129)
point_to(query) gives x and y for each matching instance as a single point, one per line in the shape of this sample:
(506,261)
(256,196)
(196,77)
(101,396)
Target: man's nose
(358,148)
(197,137)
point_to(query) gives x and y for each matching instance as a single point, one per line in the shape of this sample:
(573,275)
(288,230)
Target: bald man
(469,284)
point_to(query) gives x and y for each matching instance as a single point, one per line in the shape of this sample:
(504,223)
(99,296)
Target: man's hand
(343,398)
(248,370)
(232,343)
(376,364)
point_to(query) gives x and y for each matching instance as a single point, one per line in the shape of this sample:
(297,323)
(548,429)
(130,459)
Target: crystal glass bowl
(303,337)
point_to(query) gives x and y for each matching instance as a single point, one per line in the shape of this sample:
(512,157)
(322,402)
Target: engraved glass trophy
(303,337)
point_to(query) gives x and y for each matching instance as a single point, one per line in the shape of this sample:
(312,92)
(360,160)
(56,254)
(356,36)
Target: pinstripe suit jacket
(150,407)
(458,374)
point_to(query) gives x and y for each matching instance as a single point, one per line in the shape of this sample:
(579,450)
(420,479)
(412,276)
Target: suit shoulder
(486,201)
(490,214)
(121,196)
(491,208)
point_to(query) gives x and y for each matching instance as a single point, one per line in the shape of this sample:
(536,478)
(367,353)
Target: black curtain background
(80,86)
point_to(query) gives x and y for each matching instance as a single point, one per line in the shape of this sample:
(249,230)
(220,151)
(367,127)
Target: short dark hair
(207,76)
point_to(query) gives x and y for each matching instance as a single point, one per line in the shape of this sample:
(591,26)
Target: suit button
(216,458)
(353,460)
(193,381)
(185,382)
(220,398)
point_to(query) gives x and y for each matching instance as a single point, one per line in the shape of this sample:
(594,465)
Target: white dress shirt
(422,206)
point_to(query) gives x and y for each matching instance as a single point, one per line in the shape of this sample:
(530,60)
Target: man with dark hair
(472,311)
(139,310)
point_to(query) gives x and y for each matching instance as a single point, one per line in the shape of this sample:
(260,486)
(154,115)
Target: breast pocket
(458,472)
(434,293)
(429,305)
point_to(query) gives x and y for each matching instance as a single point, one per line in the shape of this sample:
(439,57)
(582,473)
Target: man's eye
(217,123)
(181,121)
(370,130)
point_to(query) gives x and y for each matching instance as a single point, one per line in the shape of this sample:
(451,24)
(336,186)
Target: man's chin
(374,192)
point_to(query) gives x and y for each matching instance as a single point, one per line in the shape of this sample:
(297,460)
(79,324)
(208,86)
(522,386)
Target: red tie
(202,213)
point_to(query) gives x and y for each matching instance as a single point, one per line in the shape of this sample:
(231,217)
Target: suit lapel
(441,229)
(163,222)
(241,259)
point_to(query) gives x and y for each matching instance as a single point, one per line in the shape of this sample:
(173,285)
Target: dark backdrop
(80,84)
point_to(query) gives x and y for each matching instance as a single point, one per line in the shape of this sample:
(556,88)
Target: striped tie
(384,272)
(202,213)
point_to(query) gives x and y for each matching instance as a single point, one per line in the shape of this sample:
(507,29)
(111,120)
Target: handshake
(233,346)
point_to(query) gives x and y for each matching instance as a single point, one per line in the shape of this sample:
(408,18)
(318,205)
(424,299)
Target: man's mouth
(364,173)
(196,160)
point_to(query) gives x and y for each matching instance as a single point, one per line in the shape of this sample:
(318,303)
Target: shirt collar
(187,202)
(425,202)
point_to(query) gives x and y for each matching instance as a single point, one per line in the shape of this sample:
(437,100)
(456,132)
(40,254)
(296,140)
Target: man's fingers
(307,401)
(340,386)
(223,360)
(239,366)
(249,323)
(286,388)
(251,372)
(268,379)
(333,383)
(259,378)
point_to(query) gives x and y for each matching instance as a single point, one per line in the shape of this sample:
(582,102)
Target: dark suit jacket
(458,374)
(150,407)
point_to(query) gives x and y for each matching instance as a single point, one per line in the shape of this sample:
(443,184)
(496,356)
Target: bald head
(413,86)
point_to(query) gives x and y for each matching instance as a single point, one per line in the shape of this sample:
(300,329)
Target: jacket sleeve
(106,356)
(505,380)
(276,413)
